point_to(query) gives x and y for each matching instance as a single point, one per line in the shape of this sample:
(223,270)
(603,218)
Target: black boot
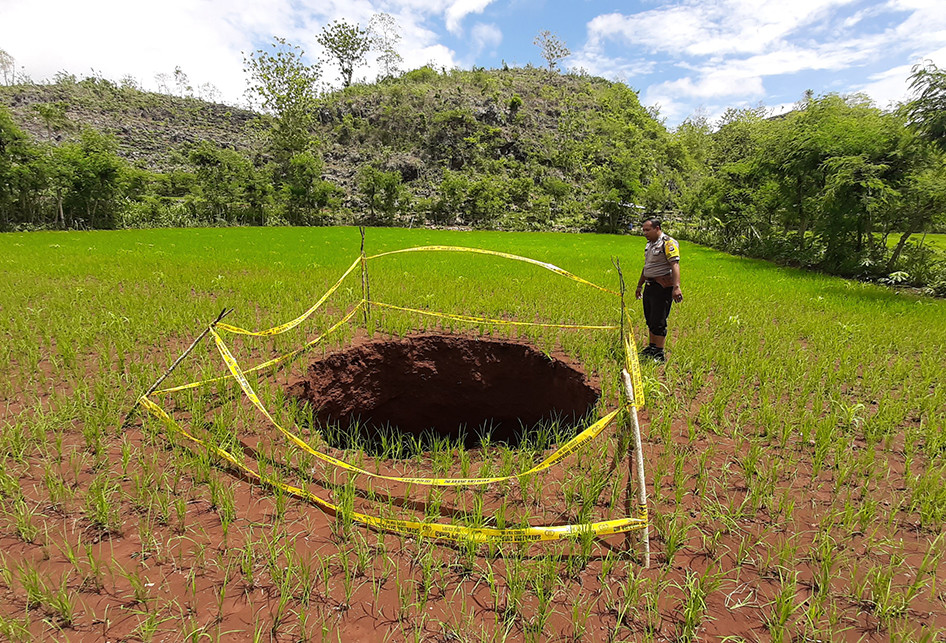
(648,351)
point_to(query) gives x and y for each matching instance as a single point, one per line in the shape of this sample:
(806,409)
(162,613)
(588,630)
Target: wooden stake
(365,286)
(154,387)
(622,434)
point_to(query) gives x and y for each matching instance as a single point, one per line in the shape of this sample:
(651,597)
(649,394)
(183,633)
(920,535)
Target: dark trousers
(657,302)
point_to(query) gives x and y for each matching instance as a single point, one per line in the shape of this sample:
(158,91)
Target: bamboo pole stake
(638,456)
(154,387)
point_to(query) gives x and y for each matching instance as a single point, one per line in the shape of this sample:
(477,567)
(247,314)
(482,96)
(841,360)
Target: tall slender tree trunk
(901,244)
(802,215)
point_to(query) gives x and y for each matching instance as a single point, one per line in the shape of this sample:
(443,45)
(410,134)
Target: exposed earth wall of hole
(449,385)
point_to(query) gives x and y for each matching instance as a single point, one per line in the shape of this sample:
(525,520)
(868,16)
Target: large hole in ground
(436,386)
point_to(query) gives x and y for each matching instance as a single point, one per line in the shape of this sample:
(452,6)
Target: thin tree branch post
(157,383)
(365,286)
(623,429)
(638,457)
(616,262)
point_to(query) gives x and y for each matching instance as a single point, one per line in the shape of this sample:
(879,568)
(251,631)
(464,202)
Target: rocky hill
(512,148)
(151,129)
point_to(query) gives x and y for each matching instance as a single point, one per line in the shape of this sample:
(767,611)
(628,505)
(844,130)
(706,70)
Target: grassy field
(795,451)
(935,241)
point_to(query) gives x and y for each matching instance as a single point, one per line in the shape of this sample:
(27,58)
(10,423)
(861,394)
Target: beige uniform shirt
(657,258)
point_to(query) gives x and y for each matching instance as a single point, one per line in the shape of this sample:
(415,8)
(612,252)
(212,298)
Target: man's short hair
(654,222)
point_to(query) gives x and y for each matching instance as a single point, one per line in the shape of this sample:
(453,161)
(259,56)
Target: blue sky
(686,57)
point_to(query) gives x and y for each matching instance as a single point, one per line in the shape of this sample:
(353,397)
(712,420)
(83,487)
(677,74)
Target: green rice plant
(22,516)
(59,492)
(674,530)
(180,511)
(33,585)
(543,587)
(784,607)
(148,626)
(61,603)
(695,589)
(515,587)
(345,501)
(628,600)
(6,571)
(140,585)
(466,556)
(9,486)
(94,579)
(928,496)
(886,602)
(348,579)
(16,629)
(102,504)
(824,555)
(405,597)
(580,615)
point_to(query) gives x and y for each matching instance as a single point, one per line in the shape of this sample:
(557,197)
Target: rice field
(794,448)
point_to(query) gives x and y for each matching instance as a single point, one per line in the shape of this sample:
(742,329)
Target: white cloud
(206,39)
(704,27)
(888,87)
(597,64)
(893,85)
(485,37)
(460,9)
(117,38)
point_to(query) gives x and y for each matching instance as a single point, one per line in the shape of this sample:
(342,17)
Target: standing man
(661,273)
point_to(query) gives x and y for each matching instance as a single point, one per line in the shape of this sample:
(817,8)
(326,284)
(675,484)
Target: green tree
(20,180)
(927,111)
(7,68)
(303,191)
(285,86)
(922,204)
(95,190)
(383,192)
(222,176)
(347,44)
(552,48)
(53,115)
(385,35)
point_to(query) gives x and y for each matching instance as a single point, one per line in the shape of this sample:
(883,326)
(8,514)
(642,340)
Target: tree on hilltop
(348,44)
(7,68)
(552,47)
(385,36)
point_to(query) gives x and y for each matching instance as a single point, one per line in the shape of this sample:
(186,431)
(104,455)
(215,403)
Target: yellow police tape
(276,330)
(495,253)
(410,527)
(487,320)
(407,527)
(282,328)
(272,362)
(568,448)
(632,365)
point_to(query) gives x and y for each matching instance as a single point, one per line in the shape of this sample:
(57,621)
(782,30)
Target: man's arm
(675,275)
(640,285)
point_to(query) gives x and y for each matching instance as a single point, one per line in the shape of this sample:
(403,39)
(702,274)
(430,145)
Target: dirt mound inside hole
(448,385)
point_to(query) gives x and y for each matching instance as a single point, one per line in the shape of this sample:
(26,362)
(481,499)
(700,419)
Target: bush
(425,74)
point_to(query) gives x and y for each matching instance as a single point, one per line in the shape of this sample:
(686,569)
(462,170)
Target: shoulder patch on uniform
(671,249)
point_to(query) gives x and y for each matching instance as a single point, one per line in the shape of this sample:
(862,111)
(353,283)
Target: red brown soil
(184,571)
(445,383)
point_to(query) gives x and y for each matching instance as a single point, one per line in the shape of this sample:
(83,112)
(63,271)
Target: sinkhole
(441,386)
